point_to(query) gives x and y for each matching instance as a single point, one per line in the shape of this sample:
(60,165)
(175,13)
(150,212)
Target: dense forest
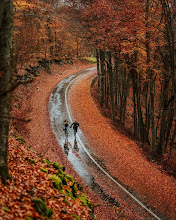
(134,43)
(135,50)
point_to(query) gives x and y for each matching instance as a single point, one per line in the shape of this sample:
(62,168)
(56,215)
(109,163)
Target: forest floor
(121,156)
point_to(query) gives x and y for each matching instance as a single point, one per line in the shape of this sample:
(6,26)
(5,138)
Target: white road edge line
(107,174)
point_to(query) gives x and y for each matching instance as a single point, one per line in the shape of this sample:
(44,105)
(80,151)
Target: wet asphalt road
(88,165)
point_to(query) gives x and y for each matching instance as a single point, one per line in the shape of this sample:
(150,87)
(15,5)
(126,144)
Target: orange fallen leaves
(28,182)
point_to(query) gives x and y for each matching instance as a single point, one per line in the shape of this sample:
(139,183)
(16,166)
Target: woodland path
(85,163)
(38,133)
(121,156)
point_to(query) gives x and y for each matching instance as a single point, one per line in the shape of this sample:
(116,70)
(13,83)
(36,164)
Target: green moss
(44,161)
(53,177)
(62,177)
(72,193)
(69,194)
(76,217)
(80,187)
(6,209)
(49,213)
(57,166)
(48,162)
(64,181)
(33,161)
(20,139)
(60,172)
(58,183)
(70,177)
(86,202)
(42,208)
(30,146)
(43,170)
(83,200)
(74,190)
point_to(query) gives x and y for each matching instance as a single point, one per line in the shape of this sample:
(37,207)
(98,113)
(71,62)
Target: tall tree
(6,36)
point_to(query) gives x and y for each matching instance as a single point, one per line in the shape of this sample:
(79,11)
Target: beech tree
(5,82)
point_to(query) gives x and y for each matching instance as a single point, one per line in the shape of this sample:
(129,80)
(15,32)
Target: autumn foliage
(135,42)
(39,32)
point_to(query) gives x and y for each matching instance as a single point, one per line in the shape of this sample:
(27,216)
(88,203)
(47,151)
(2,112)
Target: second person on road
(75,125)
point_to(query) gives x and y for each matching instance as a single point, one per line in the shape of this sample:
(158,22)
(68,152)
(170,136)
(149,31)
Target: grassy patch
(91,59)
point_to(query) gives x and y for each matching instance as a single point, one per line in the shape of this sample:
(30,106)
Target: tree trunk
(106,95)
(111,86)
(6,28)
(140,115)
(135,124)
(116,82)
(152,113)
(102,77)
(98,66)
(163,118)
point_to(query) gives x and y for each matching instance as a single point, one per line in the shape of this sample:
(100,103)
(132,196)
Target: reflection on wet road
(82,159)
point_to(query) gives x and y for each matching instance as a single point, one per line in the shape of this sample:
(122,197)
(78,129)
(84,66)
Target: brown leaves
(28,182)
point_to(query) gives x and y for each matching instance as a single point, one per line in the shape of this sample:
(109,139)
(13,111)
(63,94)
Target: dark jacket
(75,125)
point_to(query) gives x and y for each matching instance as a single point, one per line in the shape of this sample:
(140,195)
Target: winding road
(87,164)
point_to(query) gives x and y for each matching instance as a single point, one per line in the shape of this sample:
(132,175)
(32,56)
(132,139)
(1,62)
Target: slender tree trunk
(102,77)
(116,82)
(98,66)
(106,95)
(163,117)
(5,81)
(152,112)
(169,126)
(140,116)
(135,124)
(147,113)
(111,86)
(126,89)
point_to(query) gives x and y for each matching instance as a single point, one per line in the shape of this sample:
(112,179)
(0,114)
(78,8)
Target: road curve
(85,162)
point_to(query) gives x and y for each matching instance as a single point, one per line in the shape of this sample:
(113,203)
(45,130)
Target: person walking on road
(75,125)
(66,127)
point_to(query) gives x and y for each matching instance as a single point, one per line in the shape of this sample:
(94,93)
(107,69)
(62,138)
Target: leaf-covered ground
(39,189)
(120,155)
(35,179)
